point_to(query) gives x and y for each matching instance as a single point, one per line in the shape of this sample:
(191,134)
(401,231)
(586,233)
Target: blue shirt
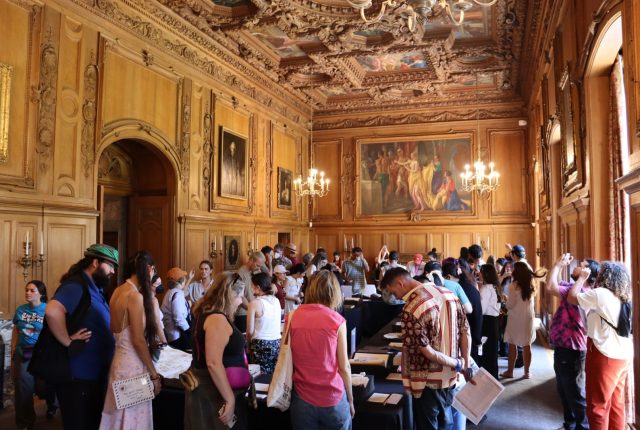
(28,321)
(94,361)
(457,290)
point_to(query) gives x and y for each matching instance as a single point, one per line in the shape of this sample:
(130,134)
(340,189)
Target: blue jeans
(309,417)
(432,411)
(459,420)
(570,378)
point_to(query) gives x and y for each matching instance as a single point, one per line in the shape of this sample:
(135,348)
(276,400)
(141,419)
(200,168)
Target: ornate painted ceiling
(324,52)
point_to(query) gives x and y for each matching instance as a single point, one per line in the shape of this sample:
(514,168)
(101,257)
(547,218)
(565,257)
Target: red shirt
(314,346)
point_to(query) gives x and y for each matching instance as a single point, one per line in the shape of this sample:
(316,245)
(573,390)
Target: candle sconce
(249,249)
(214,252)
(27,260)
(541,251)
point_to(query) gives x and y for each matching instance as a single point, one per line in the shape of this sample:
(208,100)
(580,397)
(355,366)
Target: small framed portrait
(233,165)
(232,252)
(285,188)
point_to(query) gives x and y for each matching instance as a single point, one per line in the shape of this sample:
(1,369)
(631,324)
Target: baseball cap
(279,269)
(103,252)
(176,273)
(519,249)
(418,257)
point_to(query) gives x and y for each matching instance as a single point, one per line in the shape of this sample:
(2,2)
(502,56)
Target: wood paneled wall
(504,218)
(85,76)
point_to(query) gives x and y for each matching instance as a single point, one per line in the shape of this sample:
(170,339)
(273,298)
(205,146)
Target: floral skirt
(265,353)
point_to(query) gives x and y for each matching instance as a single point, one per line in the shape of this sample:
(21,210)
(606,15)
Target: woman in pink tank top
(322,397)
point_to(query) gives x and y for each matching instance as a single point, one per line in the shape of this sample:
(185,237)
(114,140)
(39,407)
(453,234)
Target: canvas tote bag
(281,387)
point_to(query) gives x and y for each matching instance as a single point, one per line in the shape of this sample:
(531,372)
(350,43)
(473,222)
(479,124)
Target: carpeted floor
(525,404)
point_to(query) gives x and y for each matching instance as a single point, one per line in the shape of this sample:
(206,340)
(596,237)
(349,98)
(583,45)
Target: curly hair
(614,277)
(221,295)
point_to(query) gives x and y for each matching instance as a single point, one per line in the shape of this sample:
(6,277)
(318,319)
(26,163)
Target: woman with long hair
(322,396)
(491,300)
(520,329)
(134,324)
(263,323)
(27,325)
(609,343)
(218,348)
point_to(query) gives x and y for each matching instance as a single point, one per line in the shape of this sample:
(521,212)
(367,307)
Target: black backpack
(624,320)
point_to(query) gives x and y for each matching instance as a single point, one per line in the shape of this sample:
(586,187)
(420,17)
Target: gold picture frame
(6,72)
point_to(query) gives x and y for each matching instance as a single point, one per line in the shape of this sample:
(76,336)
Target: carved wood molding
(207,145)
(185,133)
(45,95)
(89,113)
(324,123)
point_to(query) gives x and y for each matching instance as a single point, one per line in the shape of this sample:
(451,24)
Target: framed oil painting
(232,252)
(399,177)
(233,169)
(285,190)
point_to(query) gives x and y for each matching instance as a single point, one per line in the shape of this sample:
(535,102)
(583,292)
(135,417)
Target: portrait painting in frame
(232,252)
(399,177)
(233,169)
(285,188)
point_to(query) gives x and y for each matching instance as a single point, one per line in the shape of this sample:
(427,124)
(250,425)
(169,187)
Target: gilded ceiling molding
(45,95)
(89,112)
(110,10)
(414,118)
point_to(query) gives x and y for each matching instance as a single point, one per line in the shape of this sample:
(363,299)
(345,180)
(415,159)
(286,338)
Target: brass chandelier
(414,10)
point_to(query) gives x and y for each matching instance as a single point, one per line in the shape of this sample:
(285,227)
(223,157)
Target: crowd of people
(458,313)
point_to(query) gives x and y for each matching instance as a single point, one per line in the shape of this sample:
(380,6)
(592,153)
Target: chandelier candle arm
(312,186)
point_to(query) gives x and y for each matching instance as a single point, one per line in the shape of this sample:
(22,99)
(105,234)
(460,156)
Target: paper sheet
(394,377)
(474,400)
(378,398)
(370,359)
(172,363)
(262,387)
(393,399)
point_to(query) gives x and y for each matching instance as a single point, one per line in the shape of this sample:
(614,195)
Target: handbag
(239,377)
(50,360)
(281,387)
(188,380)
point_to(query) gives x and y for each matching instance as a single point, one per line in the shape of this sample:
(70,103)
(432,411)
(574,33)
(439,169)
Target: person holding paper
(322,396)
(435,348)
(134,324)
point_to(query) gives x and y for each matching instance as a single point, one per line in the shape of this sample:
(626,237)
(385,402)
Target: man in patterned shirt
(435,346)
(568,335)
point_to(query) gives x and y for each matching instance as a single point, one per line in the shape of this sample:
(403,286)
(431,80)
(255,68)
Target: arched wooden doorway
(136,195)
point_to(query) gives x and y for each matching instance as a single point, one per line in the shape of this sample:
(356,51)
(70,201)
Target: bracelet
(155,379)
(458,367)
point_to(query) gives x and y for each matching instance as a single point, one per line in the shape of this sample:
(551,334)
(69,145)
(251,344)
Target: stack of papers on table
(363,358)
(359,380)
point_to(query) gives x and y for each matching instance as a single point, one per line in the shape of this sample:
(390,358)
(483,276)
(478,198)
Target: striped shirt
(431,316)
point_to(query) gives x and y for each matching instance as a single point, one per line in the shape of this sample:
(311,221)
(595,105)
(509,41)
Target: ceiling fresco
(324,52)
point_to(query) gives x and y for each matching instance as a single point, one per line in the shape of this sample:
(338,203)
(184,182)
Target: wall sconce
(214,248)
(249,248)
(541,251)
(28,260)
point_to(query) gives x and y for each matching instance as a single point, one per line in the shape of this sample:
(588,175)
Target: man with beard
(568,335)
(91,347)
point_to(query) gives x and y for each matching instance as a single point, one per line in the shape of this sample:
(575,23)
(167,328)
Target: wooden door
(151,229)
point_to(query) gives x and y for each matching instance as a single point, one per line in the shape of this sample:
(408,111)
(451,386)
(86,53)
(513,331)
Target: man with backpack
(78,317)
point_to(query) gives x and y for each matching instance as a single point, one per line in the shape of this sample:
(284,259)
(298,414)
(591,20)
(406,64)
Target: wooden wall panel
(413,241)
(7,270)
(392,240)
(284,155)
(67,238)
(159,106)
(507,149)
(329,242)
(328,155)
(197,247)
(20,50)
(456,240)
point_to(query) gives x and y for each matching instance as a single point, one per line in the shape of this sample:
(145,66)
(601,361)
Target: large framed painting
(285,183)
(232,252)
(233,169)
(413,176)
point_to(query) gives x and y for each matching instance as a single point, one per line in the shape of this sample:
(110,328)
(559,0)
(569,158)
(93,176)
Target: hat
(103,252)
(292,247)
(418,257)
(279,269)
(518,249)
(298,268)
(176,273)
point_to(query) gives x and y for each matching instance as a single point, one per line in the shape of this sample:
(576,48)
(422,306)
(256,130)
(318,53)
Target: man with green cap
(91,344)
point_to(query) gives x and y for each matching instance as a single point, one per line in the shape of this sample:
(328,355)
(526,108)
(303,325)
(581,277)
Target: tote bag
(281,387)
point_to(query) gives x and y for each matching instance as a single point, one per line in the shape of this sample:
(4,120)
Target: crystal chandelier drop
(312,185)
(479,179)
(414,10)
